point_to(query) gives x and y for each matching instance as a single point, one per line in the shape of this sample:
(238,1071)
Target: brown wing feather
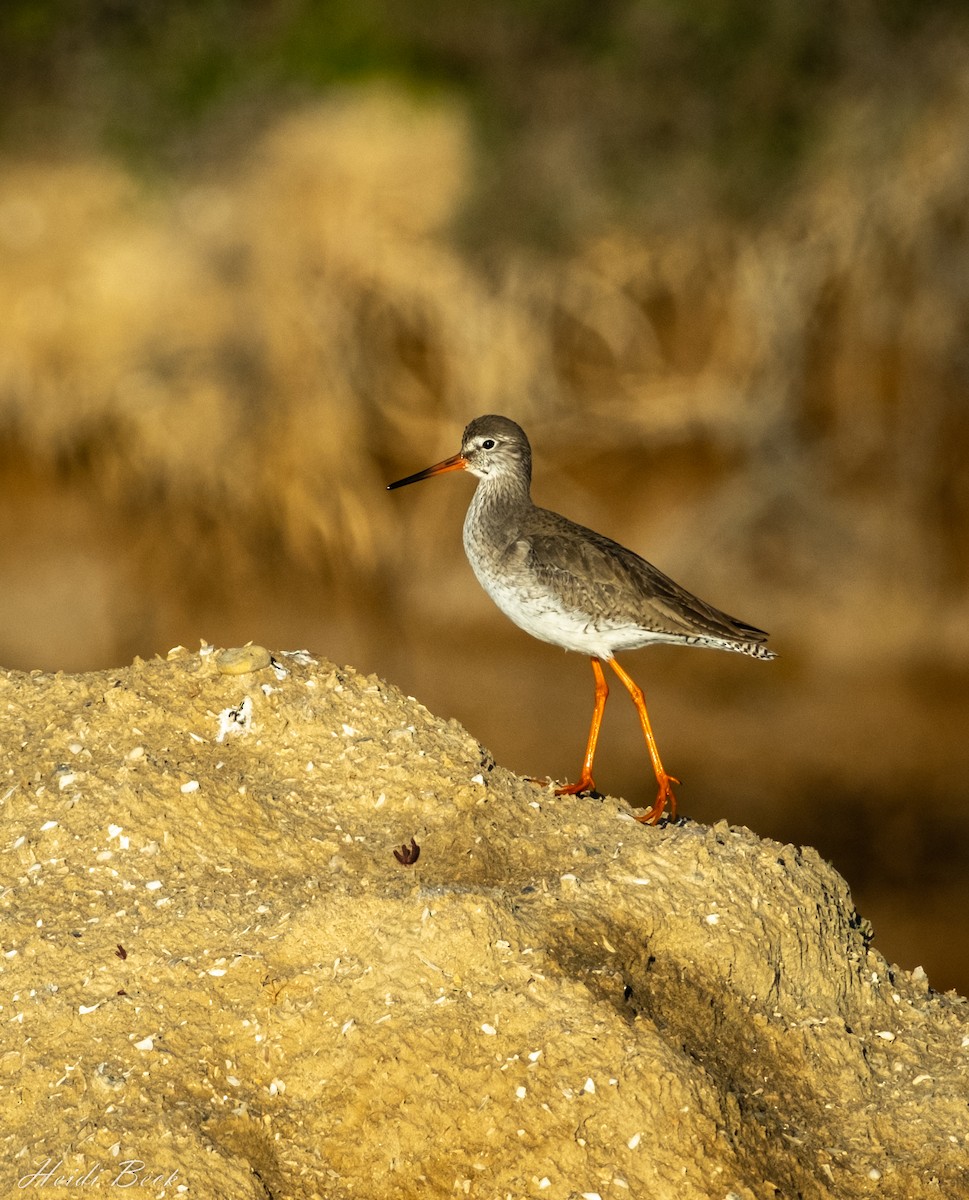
(592,573)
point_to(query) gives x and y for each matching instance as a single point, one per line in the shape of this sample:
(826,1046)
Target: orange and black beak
(457,463)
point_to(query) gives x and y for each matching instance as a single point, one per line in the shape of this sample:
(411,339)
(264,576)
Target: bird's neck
(496,509)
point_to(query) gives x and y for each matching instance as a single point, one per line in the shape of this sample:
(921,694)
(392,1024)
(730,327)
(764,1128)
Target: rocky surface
(218,979)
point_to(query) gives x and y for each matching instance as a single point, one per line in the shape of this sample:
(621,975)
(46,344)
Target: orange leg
(651,815)
(586,783)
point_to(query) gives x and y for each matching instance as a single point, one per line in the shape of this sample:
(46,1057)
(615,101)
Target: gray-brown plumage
(571,586)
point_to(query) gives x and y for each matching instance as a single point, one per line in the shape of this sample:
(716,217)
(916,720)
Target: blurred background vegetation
(258,259)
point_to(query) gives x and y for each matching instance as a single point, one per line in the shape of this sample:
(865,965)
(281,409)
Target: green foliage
(611,100)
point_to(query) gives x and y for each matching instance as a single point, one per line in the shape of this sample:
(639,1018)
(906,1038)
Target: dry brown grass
(268,344)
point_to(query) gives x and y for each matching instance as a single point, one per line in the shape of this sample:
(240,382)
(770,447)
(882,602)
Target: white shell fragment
(302,657)
(235,720)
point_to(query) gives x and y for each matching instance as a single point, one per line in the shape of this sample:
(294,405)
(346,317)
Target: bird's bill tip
(456,463)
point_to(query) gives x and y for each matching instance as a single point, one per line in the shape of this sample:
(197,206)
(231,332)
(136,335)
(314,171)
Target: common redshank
(570,586)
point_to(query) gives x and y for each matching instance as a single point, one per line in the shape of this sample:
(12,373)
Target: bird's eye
(488,444)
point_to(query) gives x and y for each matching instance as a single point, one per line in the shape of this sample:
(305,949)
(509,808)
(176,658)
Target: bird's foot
(651,816)
(585,785)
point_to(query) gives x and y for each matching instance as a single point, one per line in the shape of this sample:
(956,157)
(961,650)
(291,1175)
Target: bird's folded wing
(593,574)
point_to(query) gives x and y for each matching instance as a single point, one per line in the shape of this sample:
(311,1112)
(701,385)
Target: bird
(575,588)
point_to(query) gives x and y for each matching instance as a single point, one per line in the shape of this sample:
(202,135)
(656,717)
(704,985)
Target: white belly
(538,613)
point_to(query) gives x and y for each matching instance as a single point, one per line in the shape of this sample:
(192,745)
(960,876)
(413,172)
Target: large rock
(214,965)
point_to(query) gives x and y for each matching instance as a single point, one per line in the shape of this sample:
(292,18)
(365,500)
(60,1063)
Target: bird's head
(492,447)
